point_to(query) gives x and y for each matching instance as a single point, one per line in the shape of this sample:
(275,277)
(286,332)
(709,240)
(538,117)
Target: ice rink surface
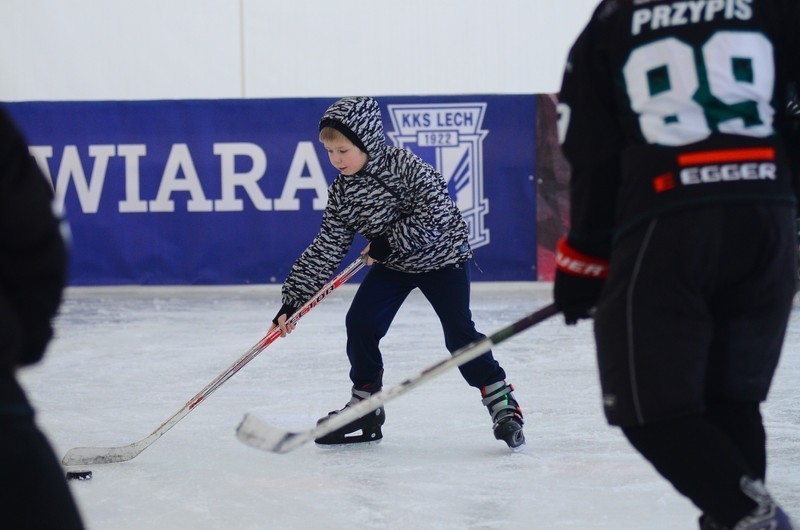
(125,359)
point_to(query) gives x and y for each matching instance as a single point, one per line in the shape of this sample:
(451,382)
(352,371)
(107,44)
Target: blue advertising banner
(232,191)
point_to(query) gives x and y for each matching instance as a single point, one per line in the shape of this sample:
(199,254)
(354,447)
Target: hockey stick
(108,455)
(261,435)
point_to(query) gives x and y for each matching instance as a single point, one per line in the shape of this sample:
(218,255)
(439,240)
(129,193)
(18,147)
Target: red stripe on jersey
(726,155)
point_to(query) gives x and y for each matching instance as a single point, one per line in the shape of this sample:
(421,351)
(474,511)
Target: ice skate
(506,413)
(767,515)
(364,429)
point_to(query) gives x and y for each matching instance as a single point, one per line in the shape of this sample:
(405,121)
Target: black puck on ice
(79,475)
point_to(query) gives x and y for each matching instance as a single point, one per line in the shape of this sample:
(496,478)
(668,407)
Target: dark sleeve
(788,19)
(592,141)
(33,262)
(791,22)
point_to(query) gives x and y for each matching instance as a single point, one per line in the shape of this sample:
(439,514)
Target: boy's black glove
(286,309)
(578,283)
(379,248)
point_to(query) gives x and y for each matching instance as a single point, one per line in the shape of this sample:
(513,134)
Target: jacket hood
(359,119)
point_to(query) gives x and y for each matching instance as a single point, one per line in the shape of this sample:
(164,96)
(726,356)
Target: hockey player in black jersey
(418,240)
(682,243)
(33,266)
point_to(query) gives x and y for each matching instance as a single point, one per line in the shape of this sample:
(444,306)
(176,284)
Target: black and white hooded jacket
(397,199)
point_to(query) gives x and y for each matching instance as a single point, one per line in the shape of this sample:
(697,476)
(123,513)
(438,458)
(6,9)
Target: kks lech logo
(449,136)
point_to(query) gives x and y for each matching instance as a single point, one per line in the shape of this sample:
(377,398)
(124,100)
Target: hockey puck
(79,475)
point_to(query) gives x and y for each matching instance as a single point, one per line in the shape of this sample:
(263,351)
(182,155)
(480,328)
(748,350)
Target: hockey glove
(286,309)
(578,283)
(379,248)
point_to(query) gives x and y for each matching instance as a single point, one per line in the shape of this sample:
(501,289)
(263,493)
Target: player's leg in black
(700,461)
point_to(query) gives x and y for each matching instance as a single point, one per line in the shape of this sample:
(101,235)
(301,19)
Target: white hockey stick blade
(103,455)
(256,433)
(259,434)
(84,456)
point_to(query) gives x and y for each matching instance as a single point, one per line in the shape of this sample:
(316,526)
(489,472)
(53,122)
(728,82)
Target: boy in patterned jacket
(417,239)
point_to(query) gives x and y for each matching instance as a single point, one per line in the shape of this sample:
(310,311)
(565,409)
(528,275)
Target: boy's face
(345,156)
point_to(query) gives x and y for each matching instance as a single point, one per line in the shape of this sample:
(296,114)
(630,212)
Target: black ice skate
(506,413)
(364,429)
(766,516)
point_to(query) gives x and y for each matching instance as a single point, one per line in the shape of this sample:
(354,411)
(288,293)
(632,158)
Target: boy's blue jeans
(376,303)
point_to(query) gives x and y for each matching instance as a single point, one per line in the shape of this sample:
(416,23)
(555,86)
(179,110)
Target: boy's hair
(329,134)
(338,130)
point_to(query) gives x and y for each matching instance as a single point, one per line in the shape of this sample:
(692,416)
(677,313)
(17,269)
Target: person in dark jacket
(418,239)
(33,263)
(682,233)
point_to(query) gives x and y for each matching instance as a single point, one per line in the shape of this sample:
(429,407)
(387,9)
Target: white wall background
(207,49)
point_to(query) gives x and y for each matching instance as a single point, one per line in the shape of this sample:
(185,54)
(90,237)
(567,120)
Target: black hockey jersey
(397,195)
(675,104)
